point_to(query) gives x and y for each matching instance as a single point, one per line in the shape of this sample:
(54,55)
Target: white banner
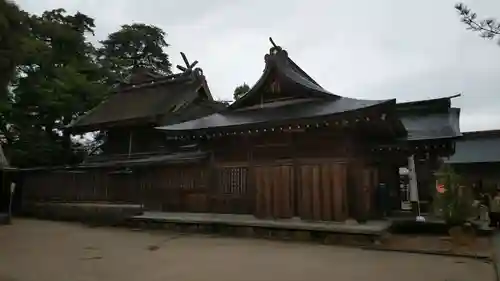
(413,179)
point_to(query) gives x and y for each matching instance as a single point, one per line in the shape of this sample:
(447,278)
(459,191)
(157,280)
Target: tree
(487,28)
(240,91)
(135,46)
(58,79)
(12,30)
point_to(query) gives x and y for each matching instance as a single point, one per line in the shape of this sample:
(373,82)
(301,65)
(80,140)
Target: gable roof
(145,101)
(279,64)
(310,100)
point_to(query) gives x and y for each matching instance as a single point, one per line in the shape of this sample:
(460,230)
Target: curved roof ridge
(295,74)
(278,59)
(262,79)
(301,71)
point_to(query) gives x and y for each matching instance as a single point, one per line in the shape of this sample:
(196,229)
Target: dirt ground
(32,250)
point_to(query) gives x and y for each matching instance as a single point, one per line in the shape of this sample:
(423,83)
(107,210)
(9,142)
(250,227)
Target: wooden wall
(322,191)
(319,177)
(274,191)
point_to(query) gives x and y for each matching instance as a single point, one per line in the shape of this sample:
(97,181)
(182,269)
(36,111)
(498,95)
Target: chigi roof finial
(189,67)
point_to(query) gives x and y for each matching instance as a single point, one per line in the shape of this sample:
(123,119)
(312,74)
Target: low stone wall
(93,213)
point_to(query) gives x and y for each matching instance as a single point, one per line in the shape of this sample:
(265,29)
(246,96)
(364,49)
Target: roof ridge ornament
(189,66)
(275,48)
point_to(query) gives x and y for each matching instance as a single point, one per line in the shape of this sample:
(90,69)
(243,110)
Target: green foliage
(456,202)
(488,28)
(12,30)
(50,75)
(132,47)
(57,79)
(240,91)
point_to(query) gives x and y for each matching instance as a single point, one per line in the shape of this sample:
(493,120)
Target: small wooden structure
(477,159)
(287,148)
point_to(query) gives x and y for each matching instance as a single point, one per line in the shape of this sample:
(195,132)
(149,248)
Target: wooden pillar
(251,196)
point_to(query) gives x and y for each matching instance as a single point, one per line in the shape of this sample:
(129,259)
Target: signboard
(413,179)
(404,188)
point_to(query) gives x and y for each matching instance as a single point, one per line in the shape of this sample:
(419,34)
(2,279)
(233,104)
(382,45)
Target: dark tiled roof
(434,125)
(477,147)
(194,110)
(426,106)
(145,102)
(308,109)
(430,119)
(310,101)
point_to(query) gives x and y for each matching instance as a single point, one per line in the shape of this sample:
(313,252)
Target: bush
(455,204)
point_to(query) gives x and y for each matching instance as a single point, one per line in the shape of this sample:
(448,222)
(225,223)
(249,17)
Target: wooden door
(369,181)
(322,191)
(274,191)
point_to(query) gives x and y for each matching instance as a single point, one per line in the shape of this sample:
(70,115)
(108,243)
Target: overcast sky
(381,49)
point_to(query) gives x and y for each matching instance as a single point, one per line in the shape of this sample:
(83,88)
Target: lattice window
(233,180)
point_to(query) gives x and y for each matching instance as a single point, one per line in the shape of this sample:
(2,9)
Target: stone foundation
(322,237)
(92,213)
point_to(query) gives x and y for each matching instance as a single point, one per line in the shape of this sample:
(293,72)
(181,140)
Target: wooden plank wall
(364,180)
(275,194)
(231,191)
(80,186)
(175,189)
(311,191)
(322,191)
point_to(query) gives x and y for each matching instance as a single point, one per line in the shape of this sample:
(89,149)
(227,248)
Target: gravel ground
(32,250)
